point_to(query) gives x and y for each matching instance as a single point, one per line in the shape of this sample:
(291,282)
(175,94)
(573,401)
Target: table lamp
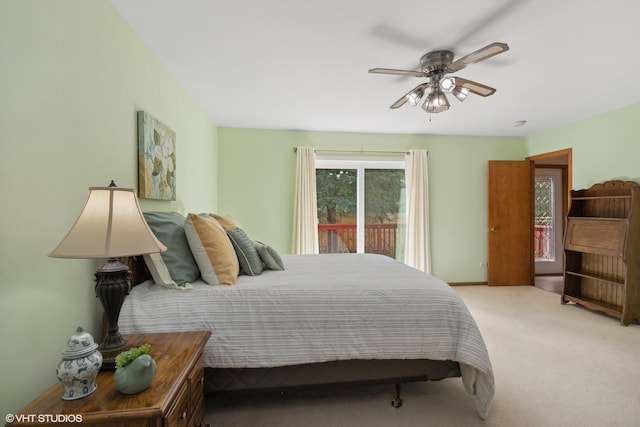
(111,226)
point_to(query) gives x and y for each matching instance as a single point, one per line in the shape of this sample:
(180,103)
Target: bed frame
(325,374)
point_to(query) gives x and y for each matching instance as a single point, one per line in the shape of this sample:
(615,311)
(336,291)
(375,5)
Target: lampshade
(460,93)
(447,84)
(436,102)
(413,97)
(111,225)
(453,86)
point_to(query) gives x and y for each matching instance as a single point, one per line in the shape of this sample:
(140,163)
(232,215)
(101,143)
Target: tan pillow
(212,250)
(226,221)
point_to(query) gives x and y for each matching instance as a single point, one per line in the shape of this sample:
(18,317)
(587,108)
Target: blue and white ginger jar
(79,366)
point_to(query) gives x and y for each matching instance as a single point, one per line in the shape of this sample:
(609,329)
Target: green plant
(126,357)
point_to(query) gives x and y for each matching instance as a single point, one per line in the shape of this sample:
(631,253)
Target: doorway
(555,170)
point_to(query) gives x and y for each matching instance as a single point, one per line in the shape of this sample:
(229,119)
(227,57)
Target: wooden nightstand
(175,397)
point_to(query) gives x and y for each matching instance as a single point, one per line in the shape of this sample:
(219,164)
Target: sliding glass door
(361,206)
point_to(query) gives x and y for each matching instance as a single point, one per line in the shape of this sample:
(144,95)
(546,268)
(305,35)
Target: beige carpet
(555,365)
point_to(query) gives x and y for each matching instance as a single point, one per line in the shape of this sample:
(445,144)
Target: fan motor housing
(436,61)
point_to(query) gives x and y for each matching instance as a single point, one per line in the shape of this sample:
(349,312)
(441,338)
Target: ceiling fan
(435,66)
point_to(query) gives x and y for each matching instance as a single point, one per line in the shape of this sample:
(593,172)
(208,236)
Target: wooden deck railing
(382,238)
(338,238)
(542,240)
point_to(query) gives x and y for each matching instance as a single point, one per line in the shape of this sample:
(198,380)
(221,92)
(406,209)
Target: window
(548,221)
(544,231)
(361,206)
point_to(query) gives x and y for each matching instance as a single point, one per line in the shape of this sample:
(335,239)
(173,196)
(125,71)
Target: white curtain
(417,248)
(305,204)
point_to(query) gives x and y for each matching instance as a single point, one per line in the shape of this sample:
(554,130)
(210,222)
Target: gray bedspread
(322,308)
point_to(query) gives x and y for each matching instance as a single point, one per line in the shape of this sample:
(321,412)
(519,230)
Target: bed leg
(397,402)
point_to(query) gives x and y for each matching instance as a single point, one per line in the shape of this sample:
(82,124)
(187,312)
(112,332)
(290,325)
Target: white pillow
(160,273)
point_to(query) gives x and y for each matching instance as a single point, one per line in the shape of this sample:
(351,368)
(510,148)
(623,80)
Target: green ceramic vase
(136,376)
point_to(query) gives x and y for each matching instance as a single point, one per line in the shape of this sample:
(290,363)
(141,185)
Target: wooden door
(510,222)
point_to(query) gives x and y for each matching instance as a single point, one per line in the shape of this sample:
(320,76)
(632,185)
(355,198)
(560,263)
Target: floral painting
(156,159)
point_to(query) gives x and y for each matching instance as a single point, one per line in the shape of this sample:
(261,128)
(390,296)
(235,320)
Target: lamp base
(112,286)
(109,357)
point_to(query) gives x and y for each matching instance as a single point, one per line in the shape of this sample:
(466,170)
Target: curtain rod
(295,149)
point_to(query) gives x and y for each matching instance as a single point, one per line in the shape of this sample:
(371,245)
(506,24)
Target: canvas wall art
(156,159)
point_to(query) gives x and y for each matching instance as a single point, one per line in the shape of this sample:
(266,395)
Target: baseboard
(467,283)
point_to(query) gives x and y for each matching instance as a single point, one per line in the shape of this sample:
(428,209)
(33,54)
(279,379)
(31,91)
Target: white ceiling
(294,64)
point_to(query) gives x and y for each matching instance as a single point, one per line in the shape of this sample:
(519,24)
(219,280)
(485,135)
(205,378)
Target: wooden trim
(467,283)
(138,269)
(569,178)
(557,153)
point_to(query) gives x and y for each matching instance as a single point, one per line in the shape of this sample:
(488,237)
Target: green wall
(604,147)
(257,177)
(72,76)
(258,174)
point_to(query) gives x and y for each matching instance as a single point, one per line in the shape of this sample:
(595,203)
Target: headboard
(138,268)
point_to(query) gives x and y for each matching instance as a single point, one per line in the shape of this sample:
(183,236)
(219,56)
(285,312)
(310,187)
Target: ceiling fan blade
(489,20)
(397,72)
(475,87)
(400,37)
(477,56)
(400,102)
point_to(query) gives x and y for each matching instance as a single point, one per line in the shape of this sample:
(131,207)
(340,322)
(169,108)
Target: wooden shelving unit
(602,250)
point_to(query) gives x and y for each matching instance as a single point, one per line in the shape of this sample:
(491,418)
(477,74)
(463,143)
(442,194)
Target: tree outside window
(360,209)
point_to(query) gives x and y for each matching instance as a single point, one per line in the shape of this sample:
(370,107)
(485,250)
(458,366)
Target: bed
(322,319)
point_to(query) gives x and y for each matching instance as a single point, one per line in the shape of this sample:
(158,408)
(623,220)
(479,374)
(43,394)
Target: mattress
(322,308)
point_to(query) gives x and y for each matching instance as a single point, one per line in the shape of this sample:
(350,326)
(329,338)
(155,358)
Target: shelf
(593,304)
(599,197)
(602,250)
(596,277)
(596,218)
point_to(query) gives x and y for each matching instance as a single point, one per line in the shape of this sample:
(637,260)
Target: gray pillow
(169,229)
(269,256)
(250,262)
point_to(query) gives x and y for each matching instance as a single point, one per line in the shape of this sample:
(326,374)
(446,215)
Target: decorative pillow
(160,274)
(269,256)
(226,221)
(212,250)
(250,262)
(169,229)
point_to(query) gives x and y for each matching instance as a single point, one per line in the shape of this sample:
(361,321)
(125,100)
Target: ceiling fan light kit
(434,66)
(460,93)
(436,102)
(413,97)
(447,84)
